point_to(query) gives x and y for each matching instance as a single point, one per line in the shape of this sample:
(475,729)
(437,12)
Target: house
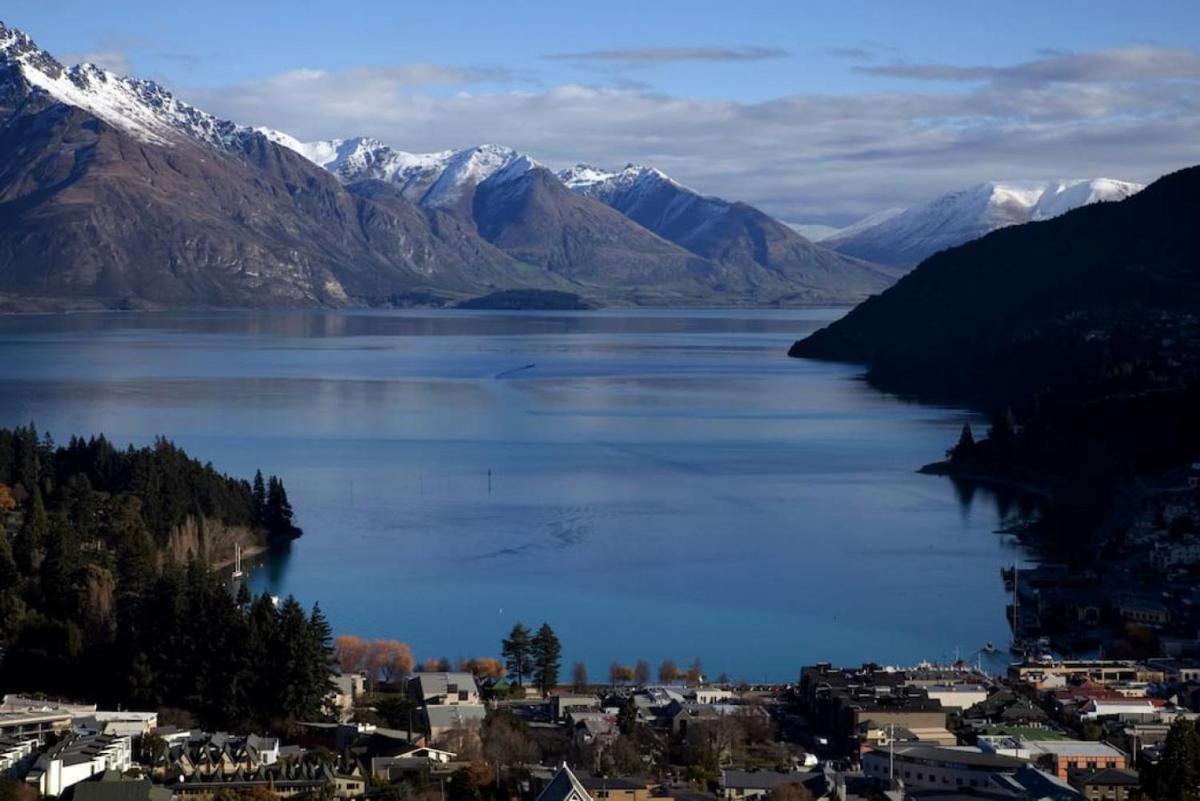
(414,760)
(589,728)
(349,688)
(286,779)
(564,787)
(76,759)
(743,785)
(617,789)
(112,786)
(560,705)
(938,767)
(1031,784)
(444,689)
(439,720)
(1108,784)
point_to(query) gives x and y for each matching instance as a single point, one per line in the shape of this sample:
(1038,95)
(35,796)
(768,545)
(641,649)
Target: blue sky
(817,111)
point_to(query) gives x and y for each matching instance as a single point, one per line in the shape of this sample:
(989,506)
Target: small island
(527,300)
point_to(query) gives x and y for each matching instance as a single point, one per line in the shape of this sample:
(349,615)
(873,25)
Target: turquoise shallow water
(663,483)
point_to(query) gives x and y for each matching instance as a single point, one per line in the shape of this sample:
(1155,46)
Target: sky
(818,112)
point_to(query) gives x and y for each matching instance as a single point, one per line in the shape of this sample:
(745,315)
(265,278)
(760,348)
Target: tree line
(90,607)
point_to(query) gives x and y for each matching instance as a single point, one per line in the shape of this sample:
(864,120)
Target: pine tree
(517,651)
(260,497)
(547,658)
(1177,775)
(33,533)
(966,445)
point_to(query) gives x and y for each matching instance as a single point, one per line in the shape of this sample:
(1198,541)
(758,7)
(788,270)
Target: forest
(92,607)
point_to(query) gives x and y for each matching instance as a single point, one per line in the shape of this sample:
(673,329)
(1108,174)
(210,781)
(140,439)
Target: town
(1100,730)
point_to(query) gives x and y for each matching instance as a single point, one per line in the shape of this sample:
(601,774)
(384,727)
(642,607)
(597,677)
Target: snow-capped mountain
(142,108)
(434,180)
(735,235)
(906,237)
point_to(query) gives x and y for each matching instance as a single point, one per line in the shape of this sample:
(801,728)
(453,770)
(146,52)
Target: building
(286,779)
(1049,675)
(564,787)
(77,759)
(1060,757)
(1108,784)
(444,689)
(932,767)
(616,788)
(709,695)
(34,723)
(349,688)
(560,705)
(957,697)
(16,754)
(743,785)
(112,786)
(440,720)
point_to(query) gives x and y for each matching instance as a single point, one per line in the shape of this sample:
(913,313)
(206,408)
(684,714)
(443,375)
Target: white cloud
(808,158)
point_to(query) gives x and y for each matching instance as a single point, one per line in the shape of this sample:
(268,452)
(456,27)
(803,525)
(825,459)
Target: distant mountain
(905,237)
(747,243)
(1100,301)
(114,193)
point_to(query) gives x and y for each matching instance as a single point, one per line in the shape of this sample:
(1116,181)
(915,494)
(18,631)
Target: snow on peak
(605,185)
(909,235)
(142,108)
(1060,197)
(432,179)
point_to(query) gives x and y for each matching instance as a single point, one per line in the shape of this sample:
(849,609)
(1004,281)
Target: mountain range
(114,193)
(902,237)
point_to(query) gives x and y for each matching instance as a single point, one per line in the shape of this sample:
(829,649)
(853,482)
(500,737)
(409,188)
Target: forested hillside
(94,604)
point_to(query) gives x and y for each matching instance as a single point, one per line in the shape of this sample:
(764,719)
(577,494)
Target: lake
(651,483)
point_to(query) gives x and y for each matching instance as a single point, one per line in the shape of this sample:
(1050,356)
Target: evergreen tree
(9,575)
(547,658)
(965,447)
(517,651)
(1177,775)
(260,497)
(33,532)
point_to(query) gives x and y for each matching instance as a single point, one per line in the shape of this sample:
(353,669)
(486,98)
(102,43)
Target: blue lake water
(662,483)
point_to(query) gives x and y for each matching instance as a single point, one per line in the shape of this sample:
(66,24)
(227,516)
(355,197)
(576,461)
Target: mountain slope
(907,237)
(736,236)
(114,192)
(1104,296)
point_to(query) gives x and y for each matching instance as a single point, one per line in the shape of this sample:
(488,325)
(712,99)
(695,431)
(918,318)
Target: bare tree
(668,671)
(641,673)
(579,678)
(350,651)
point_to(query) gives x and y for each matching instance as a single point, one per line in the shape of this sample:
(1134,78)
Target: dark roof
(113,787)
(562,786)
(975,759)
(758,779)
(1110,777)
(611,783)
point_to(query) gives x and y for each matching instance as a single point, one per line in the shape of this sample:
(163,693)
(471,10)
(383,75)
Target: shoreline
(1039,489)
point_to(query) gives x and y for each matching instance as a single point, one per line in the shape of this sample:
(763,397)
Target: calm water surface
(662,483)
